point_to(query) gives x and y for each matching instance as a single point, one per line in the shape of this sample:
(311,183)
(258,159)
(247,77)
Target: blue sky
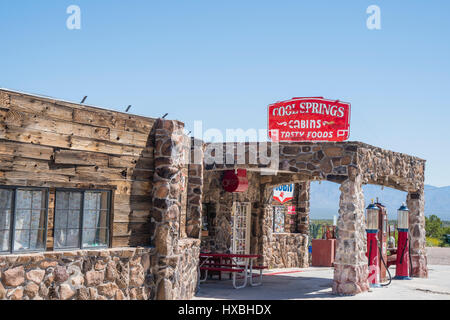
(224,61)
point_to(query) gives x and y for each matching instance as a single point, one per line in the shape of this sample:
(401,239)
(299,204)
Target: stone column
(350,266)
(195,189)
(416,205)
(167,188)
(266,223)
(303,207)
(267,235)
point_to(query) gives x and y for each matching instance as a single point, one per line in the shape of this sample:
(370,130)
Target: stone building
(350,164)
(96,204)
(90,203)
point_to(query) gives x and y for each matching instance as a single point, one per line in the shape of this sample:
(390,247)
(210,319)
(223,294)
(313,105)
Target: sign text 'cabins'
(309,119)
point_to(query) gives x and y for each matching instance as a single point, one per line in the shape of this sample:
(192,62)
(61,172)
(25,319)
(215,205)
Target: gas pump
(372,244)
(382,238)
(402,263)
(377,244)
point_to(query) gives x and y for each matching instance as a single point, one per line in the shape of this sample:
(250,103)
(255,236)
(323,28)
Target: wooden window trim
(13,218)
(82,212)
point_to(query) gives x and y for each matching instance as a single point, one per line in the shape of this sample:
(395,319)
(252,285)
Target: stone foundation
(350,279)
(109,274)
(186,272)
(287,250)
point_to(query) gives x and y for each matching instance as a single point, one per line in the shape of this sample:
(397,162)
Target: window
(278,219)
(23,219)
(81,219)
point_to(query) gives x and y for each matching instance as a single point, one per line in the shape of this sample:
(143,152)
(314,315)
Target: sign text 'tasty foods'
(309,119)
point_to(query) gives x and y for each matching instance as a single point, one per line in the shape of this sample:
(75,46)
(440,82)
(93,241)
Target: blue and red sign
(283,193)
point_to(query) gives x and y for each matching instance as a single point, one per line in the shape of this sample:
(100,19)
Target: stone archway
(350,164)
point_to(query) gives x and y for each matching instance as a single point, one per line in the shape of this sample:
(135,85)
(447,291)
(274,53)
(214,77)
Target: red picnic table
(230,262)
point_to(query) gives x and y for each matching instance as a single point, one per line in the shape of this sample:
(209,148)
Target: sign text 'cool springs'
(309,119)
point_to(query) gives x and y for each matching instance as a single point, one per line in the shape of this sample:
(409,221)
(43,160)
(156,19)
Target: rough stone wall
(172,150)
(302,161)
(184,273)
(221,202)
(195,190)
(303,207)
(350,266)
(391,169)
(281,250)
(318,161)
(329,161)
(108,274)
(416,204)
(287,250)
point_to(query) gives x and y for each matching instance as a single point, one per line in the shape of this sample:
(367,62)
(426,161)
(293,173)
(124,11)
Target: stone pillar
(350,266)
(416,205)
(266,223)
(195,190)
(167,187)
(303,207)
(267,235)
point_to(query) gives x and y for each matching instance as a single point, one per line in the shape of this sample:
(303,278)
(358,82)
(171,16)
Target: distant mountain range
(324,200)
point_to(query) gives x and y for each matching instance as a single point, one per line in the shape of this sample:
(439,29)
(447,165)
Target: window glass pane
(95,237)
(5,199)
(67,238)
(4,240)
(21,239)
(61,216)
(5,218)
(37,239)
(38,200)
(29,240)
(67,219)
(29,227)
(6,196)
(73,219)
(22,219)
(95,218)
(95,200)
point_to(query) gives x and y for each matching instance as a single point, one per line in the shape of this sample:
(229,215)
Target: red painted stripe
(281,272)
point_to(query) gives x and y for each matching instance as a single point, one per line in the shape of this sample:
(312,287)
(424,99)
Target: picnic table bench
(232,263)
(392,258)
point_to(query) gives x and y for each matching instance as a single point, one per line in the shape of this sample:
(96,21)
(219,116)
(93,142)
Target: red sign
(309,119)
(291,210)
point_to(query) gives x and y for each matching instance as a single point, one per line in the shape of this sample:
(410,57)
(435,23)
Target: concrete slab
(315,284)
(437,255)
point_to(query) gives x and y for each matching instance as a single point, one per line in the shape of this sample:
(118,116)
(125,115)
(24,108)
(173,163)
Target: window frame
(80,236)
(12,226)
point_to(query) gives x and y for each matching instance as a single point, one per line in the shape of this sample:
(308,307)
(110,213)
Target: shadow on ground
(274,287)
